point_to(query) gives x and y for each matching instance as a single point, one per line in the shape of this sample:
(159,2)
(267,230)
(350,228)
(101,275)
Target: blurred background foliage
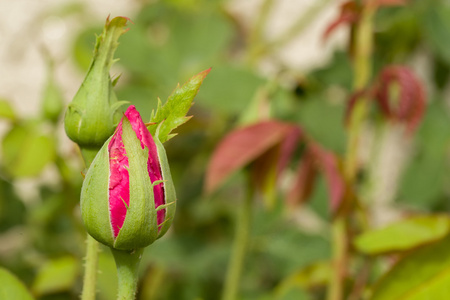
(42,238)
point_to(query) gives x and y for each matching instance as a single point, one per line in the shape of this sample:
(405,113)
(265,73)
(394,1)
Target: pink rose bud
(128,197)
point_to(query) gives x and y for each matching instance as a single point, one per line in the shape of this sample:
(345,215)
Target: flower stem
(240,242)
(127,264)
(90,271)
(88,155)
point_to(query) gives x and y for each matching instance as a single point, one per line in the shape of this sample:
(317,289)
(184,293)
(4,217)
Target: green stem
(256,36)
(242,232)
(259,47)
(362,73)
(300,25)
(90,271)
(88,155)
(339,242)
(356,123)
(127,264)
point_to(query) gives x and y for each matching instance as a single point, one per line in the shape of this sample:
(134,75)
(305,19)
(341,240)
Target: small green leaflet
(173,113)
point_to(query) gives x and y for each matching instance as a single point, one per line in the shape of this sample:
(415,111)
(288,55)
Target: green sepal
(95,199)
(164,206)
(140,227)
(156,182)
(169,188)
(93,114)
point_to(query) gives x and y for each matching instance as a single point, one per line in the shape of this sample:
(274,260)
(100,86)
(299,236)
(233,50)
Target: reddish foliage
(328,163)
(410,105)
(244,145)
(349,14)
(269,147)
(317,159)
(288,146)
(267,167)
(304,180)
(406,106)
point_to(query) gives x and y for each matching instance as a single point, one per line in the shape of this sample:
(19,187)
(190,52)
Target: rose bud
(93,114)
(128,197)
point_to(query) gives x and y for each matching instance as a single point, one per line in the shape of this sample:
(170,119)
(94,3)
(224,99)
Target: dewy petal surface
(119,185)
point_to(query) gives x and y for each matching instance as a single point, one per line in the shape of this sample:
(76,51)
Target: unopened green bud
(94,112)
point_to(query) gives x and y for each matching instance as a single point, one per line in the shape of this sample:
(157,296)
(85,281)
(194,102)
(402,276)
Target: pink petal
(119,181)
(119,185)
(153,166)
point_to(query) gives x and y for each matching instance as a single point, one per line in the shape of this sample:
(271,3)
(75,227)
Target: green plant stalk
(127,264)
(256,37)
(92,248)
(90,271)
(88,155)
(339,242)
(242,233)
(362,72)
(259,47)
(300,25)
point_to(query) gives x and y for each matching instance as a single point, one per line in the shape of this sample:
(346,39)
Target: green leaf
(421,275)
(403,235)
(12,209)
(173,113)
(6,110)
(424,180)
(12,288)
(323,120)
(308,277)
(26,152)
(56,276)
(436,25)
(230,90)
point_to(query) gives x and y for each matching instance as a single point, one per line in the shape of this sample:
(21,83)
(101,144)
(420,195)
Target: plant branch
(362,73)
(242,232)
(258,46)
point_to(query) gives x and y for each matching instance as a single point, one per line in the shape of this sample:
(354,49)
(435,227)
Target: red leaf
(328,163)
(267,167)
(264,174)
(242,146)
(410,105)
(304,180)
(349,14)
(288,145)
